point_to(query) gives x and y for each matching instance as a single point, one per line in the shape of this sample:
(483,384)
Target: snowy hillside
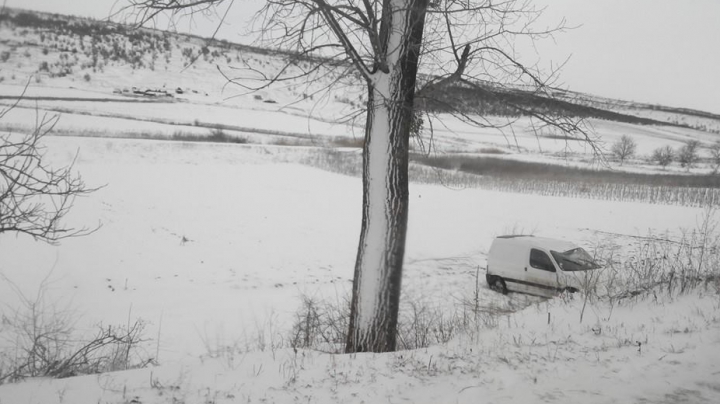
(71,63)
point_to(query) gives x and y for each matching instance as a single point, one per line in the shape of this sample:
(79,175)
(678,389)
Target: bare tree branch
(35,197)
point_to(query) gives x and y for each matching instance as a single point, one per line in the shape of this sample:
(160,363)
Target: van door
(542,277)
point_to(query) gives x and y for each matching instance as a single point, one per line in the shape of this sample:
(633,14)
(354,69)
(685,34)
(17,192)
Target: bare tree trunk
(378,268)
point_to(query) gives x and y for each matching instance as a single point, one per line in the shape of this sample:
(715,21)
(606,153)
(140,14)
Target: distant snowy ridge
(56,49)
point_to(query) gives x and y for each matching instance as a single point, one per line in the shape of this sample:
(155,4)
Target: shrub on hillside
(663,155)
(715,156)
(216,135)
(624,148)
(219,135)
(688,154)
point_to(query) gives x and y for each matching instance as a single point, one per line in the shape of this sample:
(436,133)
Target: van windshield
(576,259)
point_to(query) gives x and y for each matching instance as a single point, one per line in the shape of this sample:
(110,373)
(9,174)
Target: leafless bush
(50,351)
(423,323)
(687,155)
(663,155)
(321,324)
(660,265)
(624,148)
(37,339)
(715,156)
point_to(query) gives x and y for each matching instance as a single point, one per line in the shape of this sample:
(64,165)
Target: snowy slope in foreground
(211,244)
(647,353)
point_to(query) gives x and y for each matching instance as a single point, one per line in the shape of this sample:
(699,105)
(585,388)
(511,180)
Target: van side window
(540,260)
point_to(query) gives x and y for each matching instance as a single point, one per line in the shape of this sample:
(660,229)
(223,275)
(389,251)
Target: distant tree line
(686,155)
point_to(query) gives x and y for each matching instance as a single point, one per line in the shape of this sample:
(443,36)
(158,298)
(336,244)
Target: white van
(537,265)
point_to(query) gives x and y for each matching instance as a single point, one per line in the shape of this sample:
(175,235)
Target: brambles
(322,324)
(655,265)
(38,339)
(49,349)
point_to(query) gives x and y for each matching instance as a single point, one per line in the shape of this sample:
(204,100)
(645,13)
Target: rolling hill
(107,79)
(64,51)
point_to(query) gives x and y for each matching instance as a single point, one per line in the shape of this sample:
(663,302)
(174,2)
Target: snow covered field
(211,244)
(261,123)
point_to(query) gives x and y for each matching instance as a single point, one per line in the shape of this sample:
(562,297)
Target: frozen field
(212,244)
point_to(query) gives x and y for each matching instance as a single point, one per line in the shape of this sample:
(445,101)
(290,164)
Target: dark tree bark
(378,268)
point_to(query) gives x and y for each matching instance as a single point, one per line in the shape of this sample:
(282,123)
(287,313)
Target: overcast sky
(657,51)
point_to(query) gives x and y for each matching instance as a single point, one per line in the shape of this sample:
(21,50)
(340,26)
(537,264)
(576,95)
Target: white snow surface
(211,244)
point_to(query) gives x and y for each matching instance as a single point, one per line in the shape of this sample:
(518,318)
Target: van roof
(542,242)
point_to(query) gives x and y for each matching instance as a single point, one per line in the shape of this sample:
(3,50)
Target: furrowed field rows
(666,195)
(349,163)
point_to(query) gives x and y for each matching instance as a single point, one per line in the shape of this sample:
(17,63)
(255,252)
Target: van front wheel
(498,284)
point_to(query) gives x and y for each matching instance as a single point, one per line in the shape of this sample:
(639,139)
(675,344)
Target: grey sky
(657,51)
